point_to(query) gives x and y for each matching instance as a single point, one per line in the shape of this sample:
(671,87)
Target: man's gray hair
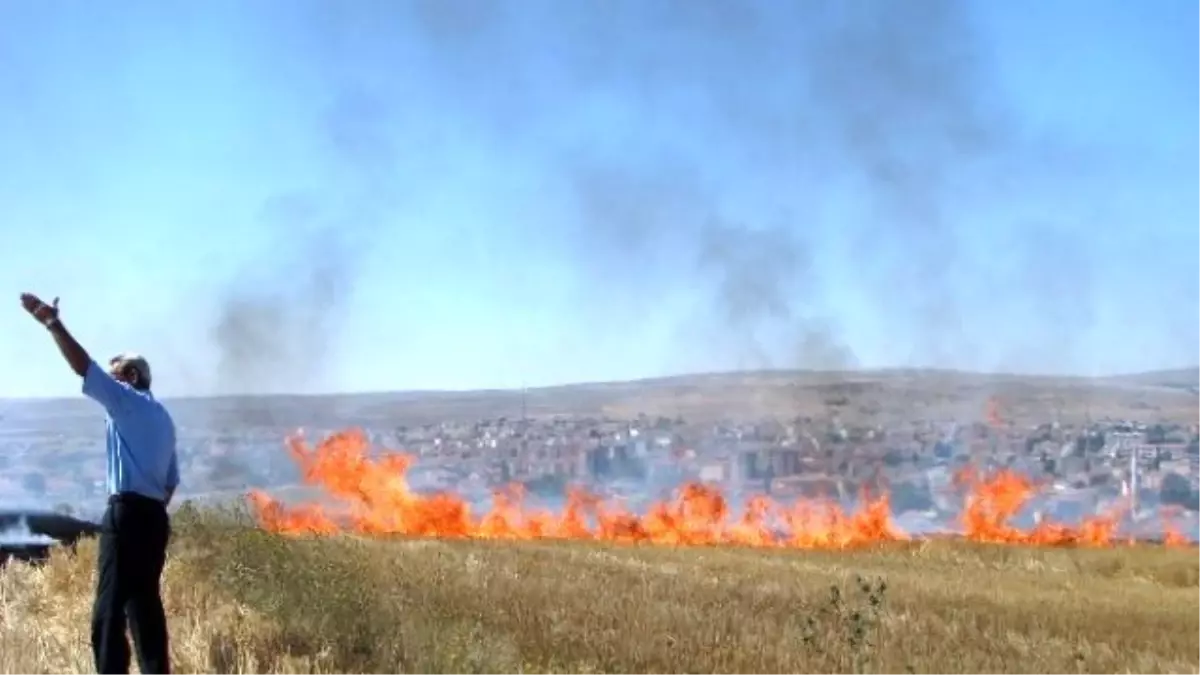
(135,361)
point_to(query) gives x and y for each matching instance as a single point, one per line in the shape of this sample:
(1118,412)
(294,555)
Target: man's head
(132,369)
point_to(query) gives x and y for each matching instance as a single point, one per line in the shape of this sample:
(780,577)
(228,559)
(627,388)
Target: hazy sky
(304,196)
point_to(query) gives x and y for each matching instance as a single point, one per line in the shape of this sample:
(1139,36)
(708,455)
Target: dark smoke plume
(280,317)
(888,101)
(886,116)
(901,90)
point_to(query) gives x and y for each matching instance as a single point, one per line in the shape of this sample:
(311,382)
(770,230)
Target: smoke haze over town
(456,194)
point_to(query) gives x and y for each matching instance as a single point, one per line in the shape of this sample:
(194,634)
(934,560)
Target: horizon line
(646,380)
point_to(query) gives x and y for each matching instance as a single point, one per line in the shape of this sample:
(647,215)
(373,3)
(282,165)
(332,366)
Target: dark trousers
(133,549)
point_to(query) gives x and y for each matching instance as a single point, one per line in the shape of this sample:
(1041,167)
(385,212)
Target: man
(143,473)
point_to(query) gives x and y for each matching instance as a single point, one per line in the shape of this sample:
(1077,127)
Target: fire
(994,501)
(375,499)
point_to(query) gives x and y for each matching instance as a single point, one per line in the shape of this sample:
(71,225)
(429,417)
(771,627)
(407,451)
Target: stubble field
(244,600)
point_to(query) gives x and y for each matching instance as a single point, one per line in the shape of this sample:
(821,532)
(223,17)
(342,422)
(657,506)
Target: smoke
(824,175)
(279,317)
(902,89)
(763,277)
(815,171)
(889,102)
(18,533)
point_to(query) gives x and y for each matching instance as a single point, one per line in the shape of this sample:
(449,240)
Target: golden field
(244,600)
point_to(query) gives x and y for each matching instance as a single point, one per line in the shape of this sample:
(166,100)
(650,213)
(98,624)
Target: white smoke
(20,534)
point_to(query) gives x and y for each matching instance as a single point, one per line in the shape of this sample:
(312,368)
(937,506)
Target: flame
(1171,534)
(375,499)
(994,501)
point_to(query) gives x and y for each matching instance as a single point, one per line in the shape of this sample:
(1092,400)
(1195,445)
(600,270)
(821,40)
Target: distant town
(1083,468)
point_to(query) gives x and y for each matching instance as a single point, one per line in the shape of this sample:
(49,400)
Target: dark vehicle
(31,535)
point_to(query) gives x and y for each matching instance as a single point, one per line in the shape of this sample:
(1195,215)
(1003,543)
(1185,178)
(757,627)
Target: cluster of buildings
(643,458)
(1082,467)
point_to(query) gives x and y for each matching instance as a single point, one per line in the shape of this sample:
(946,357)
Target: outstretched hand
(47,315)
(39,310)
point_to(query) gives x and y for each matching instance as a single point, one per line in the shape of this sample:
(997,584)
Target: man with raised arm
(142,475)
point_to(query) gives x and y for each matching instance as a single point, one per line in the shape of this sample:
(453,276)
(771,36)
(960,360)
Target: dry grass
(241,600)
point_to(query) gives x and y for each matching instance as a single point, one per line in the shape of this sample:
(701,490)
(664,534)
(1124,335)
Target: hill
(1181,378)
(879,396)
(883,397)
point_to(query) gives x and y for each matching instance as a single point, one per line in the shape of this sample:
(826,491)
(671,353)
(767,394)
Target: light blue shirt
(141,436)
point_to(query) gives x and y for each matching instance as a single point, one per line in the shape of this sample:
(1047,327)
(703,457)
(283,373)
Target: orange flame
(1171,534)
(993,502)
(375,499)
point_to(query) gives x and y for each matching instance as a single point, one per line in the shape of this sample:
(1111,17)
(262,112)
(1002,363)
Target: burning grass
(241,599)
(688,586)
(376,500)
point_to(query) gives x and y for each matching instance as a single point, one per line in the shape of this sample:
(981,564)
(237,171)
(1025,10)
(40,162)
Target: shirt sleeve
(99,386)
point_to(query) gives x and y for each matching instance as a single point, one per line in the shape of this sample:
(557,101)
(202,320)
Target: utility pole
(1134,479)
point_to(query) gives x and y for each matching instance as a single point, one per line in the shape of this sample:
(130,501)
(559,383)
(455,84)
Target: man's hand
(45,314)
(76,356)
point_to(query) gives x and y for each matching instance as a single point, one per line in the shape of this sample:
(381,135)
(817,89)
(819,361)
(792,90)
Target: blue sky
(306,196)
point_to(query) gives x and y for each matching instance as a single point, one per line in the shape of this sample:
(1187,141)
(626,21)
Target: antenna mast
(1134,479)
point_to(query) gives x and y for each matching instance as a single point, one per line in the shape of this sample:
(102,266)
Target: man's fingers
(34,305)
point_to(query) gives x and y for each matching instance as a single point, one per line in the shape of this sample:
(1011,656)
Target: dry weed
(241,600)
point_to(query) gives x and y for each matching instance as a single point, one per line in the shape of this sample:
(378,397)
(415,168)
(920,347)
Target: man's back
(141,440)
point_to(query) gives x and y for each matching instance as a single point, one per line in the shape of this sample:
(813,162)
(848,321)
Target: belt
(133,498)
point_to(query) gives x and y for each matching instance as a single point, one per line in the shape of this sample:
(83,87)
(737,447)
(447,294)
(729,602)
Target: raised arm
(75,355)
(98,384)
